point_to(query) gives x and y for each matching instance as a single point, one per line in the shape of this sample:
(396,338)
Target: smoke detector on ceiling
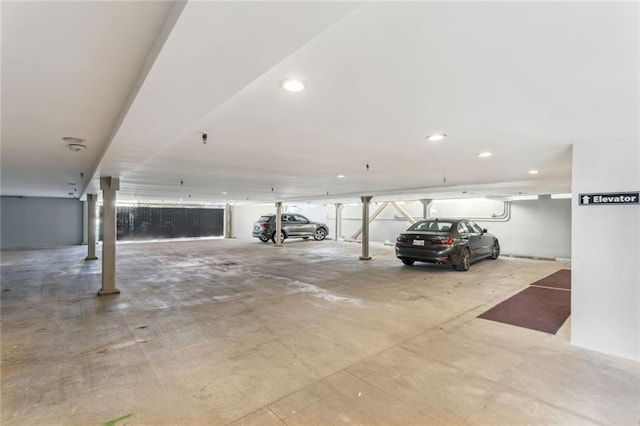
(77,147)
(75,144)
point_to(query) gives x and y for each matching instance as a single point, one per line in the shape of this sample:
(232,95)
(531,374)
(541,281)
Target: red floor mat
(559,279)
(536,308)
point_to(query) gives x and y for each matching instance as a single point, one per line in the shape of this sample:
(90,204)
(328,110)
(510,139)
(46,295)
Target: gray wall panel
(40,222)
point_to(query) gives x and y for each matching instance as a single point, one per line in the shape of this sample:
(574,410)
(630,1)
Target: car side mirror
(484,230)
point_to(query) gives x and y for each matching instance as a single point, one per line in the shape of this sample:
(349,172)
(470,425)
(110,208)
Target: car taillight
(401,239)
(447,242)
(264,225)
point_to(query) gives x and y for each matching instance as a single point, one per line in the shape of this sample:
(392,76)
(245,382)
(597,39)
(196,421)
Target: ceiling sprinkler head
(204,138)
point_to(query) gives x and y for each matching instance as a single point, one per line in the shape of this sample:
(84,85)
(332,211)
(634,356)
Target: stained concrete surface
(240,332)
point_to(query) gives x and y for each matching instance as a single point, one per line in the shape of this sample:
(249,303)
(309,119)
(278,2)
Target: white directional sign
(609,198)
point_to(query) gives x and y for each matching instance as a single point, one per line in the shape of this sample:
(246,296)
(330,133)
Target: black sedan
(456,242)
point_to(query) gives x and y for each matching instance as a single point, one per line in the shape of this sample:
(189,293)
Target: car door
(304,226)
(484,241)
(473,237)
(289,224)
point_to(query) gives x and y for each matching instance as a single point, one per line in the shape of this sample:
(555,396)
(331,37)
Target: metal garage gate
(160,222)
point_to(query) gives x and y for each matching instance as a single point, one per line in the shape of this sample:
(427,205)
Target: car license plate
(418,242)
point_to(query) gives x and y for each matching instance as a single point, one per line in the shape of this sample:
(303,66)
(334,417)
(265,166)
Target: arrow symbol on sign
(585,199)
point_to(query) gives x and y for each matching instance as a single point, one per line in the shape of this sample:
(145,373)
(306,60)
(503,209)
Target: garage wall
(246,215)
(537,228)
(32,222)
(540,228)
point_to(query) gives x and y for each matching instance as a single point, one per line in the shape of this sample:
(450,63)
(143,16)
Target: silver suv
(293,225)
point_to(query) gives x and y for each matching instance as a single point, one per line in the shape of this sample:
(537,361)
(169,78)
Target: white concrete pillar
(365,227)
(92,199)
(277,237)
(605,248)
(426,208)
(109,187)
(85,221)
(338,228)
(229,212)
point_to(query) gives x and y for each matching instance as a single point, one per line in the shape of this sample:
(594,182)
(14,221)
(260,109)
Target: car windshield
(432,226)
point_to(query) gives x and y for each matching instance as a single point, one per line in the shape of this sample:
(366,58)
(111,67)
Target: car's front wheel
(495,250)
(465,260)
(320,234)
(263,238)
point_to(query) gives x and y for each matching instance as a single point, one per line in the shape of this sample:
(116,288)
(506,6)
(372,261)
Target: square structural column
(365,227)
(278,235)
(229,213)
(426,208)
(605,247)
(92,199)
(109,187)
(338,230)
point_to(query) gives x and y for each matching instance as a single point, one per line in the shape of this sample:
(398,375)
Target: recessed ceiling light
(340,176)
(292,85)
(533,172)
(484,154)
(224,193)
(436,137)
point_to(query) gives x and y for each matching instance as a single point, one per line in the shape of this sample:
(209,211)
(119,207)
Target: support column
(338,228)
(426,208)
(229,212)
(277,237)
(109,187)
(85,221)
(92,199)
(605,289)
(365,227)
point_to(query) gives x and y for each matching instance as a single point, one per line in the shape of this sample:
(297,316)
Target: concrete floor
(240,332)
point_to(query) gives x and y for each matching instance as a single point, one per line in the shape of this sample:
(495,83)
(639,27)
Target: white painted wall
(605,294)
(40,222)
(540,228)
(246,216)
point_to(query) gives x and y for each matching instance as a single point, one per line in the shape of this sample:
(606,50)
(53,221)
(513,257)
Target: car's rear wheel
(465,260)
(263,238)
(495,250)
(408,261)
(320,234)
(282,237)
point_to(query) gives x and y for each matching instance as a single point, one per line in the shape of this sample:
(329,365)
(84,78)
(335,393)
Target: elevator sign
(609,198)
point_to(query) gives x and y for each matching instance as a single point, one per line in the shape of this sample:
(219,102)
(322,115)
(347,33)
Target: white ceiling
(141,82)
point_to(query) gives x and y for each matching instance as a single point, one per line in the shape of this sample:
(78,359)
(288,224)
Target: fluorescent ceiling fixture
(533,172)
(524,197)
(484,154)
(292,85)
(436,137)
(560,196)
(340,176)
